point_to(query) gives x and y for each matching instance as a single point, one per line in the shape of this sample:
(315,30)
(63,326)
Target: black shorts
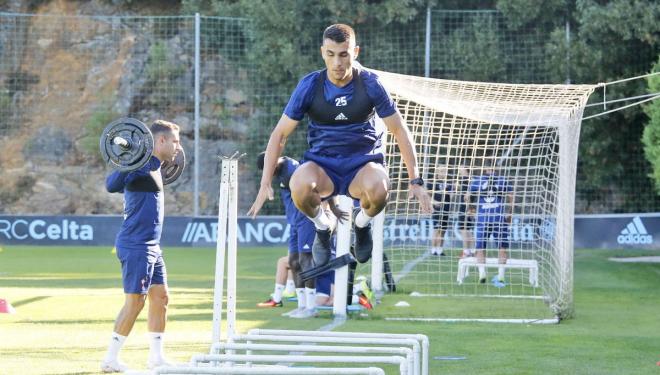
(440,221)
(465,222)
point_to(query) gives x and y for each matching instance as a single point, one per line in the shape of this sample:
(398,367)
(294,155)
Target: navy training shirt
(340,139)
(143,205)
(491,190)
(293,216)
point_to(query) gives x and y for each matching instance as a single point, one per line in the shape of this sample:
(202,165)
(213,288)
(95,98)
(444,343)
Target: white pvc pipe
(407,352)
(383,340)
(418,338)
(394,360)
(343,247)
(378,224)
(221,243)
(263,370)
(232,247)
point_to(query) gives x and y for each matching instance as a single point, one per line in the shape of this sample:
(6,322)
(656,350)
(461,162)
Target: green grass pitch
(67,298)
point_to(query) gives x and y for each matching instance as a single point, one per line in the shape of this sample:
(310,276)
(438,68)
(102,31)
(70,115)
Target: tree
(651,137)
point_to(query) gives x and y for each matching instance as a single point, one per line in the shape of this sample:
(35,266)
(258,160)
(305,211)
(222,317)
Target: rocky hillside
(62,78)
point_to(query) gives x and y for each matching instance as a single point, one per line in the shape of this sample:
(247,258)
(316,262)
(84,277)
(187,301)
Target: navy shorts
(342,170)
(465,221)
(499,230)
(141,268)
(441,216)
(301,237)
(324,283)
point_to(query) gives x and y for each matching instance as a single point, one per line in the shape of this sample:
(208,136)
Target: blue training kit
(342,132)
(138,240)
(302,230)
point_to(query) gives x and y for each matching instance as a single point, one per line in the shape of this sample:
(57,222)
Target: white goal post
(527,134)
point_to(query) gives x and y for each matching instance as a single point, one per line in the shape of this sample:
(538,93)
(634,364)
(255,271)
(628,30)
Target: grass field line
(409,267)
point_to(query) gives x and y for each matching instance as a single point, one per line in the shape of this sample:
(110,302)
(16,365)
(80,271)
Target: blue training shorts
(499,230)
(302,236)
(342,170)
(141,268)
(324,283)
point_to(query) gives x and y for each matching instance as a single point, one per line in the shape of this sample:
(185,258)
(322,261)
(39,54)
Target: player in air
(344,154)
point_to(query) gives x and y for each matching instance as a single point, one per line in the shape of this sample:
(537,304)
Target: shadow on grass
(26,301)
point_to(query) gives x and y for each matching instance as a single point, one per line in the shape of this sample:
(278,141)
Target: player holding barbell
(138,242)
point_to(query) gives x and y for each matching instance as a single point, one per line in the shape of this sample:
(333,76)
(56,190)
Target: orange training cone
(6,307)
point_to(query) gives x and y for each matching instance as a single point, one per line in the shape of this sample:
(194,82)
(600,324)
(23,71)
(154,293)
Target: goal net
(500,162)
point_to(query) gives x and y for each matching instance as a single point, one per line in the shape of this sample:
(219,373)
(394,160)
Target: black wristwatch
(417,181)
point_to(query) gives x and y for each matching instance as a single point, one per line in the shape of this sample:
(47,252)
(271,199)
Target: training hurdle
(263,370)
(406,347)
(420,343)
(249,348)
(530,264)
(233,358)
(402,350)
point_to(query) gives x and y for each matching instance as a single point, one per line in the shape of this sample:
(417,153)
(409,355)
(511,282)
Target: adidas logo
(634,233)
(306,247)
(341,116)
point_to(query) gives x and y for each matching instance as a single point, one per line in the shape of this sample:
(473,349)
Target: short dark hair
(260,160)
(339,33)
(162,126)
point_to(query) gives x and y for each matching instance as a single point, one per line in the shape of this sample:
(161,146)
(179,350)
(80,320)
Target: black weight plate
(136,154)
(172,170)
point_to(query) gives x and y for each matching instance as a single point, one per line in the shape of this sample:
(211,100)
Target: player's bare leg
(281,271)
(481,259)
(370,186)
(437,242)
(156,320)
(308,184)
(133,304)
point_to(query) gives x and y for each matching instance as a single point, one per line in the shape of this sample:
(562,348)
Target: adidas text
(341,116)
(635,233)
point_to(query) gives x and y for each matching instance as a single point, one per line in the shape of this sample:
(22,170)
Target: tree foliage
(608,40)
(651,138)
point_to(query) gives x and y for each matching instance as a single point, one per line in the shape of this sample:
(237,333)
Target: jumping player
(138,248)
(344,154)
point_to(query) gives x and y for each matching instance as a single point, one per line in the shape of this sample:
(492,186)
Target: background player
(282,275)
(490,191)
(442,193)
(343,155)
(138,248)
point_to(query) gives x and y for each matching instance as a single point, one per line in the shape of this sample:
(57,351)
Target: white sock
(277,294)
(116,342)
(321,220)
(310,295)
(482,272)
(362,219)
(441,250)
(300,293)
(290,287)
(156,345)
(500,273)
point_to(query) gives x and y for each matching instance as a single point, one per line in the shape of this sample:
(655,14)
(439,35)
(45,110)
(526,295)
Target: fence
(62,78)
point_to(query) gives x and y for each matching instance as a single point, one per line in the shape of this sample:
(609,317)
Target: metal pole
(197,153)
(568,52)
(427,46)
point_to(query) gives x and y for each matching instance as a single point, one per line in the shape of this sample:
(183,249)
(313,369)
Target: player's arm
(276,143)
(403,138)
(116,181)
